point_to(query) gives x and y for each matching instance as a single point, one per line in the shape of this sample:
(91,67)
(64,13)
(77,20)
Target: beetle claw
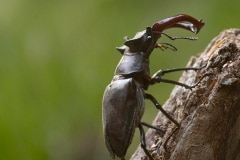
(180,21)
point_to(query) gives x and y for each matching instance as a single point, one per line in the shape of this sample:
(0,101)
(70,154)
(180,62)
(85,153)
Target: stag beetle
(123,100)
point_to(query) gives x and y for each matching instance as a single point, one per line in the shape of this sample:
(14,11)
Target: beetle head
(142,42)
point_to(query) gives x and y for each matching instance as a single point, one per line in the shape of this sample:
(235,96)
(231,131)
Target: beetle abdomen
(123,103)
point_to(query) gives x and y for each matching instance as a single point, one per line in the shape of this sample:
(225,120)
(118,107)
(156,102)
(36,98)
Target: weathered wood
(209,114)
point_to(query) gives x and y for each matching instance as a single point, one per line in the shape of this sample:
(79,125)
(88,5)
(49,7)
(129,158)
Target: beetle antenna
(163,46)
(174,38)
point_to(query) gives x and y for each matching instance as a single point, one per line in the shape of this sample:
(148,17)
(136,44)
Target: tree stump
(209,115)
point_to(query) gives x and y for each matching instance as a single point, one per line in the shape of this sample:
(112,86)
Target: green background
(56,58)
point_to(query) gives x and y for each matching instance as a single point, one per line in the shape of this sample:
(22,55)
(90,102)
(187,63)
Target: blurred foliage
(56,58)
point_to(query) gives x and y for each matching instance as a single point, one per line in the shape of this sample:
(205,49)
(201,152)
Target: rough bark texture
(209,115)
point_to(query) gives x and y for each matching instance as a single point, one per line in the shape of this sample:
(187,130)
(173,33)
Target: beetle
(123,99)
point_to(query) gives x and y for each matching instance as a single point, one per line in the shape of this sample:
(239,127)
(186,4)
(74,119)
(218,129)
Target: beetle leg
(156,78)
(159,79)
(158,106)
(165,142)
(150,126)
(162,72)
(143,141)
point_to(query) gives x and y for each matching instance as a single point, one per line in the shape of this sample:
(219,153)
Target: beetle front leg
(160,73)
(157,77)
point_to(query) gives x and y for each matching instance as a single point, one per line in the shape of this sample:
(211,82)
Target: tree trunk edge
(209,114)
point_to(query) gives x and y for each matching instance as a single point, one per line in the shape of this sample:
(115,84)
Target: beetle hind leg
(162,148)
(153,127)
(143,141)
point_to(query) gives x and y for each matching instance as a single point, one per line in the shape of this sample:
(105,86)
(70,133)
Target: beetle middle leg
(158,106)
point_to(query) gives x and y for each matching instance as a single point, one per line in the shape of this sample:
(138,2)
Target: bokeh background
(56,58)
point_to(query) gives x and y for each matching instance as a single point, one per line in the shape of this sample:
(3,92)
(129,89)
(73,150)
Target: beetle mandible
(123,100)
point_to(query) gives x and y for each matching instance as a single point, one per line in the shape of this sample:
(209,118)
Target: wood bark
(209,115)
